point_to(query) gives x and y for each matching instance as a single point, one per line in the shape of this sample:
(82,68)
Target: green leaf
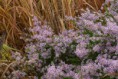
(67,78)
(90,33)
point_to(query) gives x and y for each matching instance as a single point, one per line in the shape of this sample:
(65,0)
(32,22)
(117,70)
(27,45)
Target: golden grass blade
(17,14)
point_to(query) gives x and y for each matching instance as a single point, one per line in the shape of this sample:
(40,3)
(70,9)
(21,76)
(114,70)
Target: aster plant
(89,52)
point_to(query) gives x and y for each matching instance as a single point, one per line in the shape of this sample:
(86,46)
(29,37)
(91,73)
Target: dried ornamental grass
(16,15)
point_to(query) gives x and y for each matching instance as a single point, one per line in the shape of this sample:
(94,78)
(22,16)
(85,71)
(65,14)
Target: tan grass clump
(16,15)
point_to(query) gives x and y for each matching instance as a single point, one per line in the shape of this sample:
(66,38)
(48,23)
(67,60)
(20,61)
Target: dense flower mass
(89,52)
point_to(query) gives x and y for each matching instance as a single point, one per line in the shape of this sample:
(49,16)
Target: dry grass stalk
(16,15)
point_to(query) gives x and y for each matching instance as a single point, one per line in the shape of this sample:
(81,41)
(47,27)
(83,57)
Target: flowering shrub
(91,52)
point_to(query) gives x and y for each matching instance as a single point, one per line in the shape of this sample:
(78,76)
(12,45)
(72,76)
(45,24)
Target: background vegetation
(15,15)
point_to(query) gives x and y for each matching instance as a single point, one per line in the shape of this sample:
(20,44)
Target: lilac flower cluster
(90,52)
